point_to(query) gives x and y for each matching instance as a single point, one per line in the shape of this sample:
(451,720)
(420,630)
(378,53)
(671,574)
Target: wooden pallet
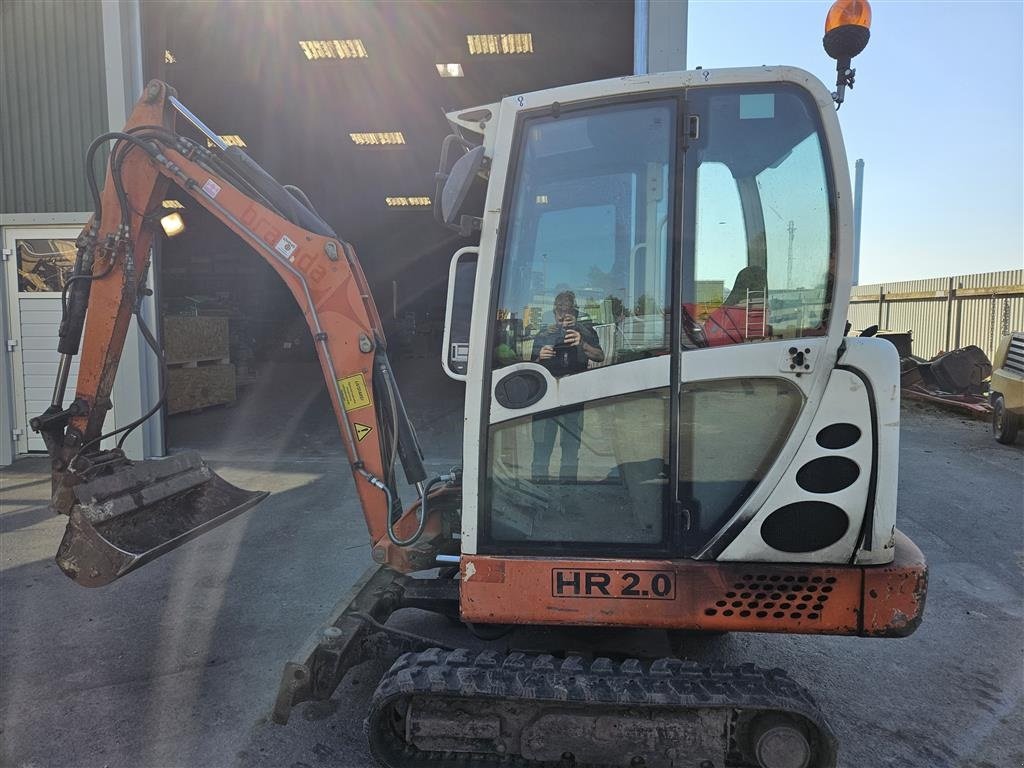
(189,339)
(198,384)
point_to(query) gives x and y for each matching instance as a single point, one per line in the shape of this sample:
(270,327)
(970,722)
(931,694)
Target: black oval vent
(827,474)
(805,526)
(520,389)
(836,436)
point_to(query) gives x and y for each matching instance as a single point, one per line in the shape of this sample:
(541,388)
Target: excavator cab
(694,223)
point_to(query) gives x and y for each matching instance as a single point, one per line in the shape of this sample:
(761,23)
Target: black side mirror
(454,182)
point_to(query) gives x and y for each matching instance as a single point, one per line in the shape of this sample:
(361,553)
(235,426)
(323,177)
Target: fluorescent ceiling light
(317,50)
(232,140)
(169,57)
(378,139)
(449,70)
(172,204)
(407,202)
(517,42)
(542,199)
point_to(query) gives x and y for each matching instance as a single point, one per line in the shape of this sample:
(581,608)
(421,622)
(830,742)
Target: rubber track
(669,682)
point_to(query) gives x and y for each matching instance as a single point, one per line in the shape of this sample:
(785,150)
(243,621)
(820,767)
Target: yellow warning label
(354,393)
(362,431)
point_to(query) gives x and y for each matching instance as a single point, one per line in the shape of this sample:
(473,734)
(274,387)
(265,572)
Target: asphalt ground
(178,664)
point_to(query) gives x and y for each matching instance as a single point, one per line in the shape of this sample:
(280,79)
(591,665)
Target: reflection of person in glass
(563,348)
(569,344)
(744,313)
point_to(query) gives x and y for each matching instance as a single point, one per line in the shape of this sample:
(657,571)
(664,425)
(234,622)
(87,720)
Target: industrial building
(344,100)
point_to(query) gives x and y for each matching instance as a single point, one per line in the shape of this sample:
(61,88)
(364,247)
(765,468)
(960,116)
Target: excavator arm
(123,513)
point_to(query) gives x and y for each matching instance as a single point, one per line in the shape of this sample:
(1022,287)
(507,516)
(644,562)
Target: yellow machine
(1007,389)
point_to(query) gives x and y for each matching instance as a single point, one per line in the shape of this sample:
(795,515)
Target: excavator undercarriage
(459,707)
(455,705)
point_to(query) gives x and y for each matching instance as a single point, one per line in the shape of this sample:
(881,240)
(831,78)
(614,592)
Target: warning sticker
(286,247)
(211,188)
(354,393)
(362,431)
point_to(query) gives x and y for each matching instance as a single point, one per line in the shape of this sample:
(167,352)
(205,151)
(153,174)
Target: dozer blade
(122,520)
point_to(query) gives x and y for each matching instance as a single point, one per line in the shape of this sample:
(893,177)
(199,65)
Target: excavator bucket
(142,510)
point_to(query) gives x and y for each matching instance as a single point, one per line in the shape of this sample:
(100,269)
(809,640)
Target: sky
(937,114)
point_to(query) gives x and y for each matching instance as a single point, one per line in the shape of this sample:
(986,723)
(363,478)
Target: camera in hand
(558,338)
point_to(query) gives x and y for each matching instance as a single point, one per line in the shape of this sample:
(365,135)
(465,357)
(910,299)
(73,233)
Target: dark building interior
(241,67)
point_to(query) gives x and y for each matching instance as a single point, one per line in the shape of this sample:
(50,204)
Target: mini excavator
(727,462)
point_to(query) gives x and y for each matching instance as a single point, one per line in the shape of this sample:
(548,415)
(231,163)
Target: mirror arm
(469,224)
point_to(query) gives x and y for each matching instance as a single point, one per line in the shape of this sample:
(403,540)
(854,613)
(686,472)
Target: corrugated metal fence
(944,313)
(52,102)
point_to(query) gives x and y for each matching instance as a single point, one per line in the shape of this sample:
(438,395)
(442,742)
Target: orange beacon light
(847,31)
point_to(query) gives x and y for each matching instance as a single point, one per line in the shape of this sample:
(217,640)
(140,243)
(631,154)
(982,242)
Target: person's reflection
(563,348)
(568,345)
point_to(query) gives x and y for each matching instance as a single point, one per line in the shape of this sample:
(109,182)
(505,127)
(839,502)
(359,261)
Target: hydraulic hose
(421,515)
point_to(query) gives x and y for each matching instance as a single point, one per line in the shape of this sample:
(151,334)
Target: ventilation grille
(775,597)
(1015,354)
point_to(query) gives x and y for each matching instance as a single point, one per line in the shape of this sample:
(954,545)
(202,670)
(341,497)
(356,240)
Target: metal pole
(665,38)
(7,444)
(640,13)
(858,201)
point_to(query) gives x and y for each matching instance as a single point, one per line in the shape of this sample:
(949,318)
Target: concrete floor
(178,664)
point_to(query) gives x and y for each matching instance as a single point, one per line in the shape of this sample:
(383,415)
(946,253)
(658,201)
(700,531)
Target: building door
(40,259)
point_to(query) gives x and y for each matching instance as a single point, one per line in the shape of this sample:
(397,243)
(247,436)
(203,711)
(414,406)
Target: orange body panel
(803,598)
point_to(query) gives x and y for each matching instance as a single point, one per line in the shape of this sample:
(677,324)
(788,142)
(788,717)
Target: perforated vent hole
(753,597)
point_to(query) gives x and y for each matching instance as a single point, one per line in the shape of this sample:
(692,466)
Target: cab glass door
(583,306)
(757,273)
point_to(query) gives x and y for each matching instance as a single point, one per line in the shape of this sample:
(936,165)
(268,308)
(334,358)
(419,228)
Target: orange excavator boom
(112,530)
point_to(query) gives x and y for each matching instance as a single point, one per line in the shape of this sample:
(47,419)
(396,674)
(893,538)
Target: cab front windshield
(594,228)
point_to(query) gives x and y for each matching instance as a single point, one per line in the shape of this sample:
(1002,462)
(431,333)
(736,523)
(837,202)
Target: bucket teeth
(124,519)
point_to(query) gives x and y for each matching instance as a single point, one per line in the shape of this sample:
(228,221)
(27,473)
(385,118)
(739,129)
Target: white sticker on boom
(286,247)
(211,188)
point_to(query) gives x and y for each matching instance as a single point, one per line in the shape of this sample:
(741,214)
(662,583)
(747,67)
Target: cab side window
(763,241)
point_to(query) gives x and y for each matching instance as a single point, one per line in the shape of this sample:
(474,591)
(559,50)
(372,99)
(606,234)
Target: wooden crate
(192,387)
(193,339)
